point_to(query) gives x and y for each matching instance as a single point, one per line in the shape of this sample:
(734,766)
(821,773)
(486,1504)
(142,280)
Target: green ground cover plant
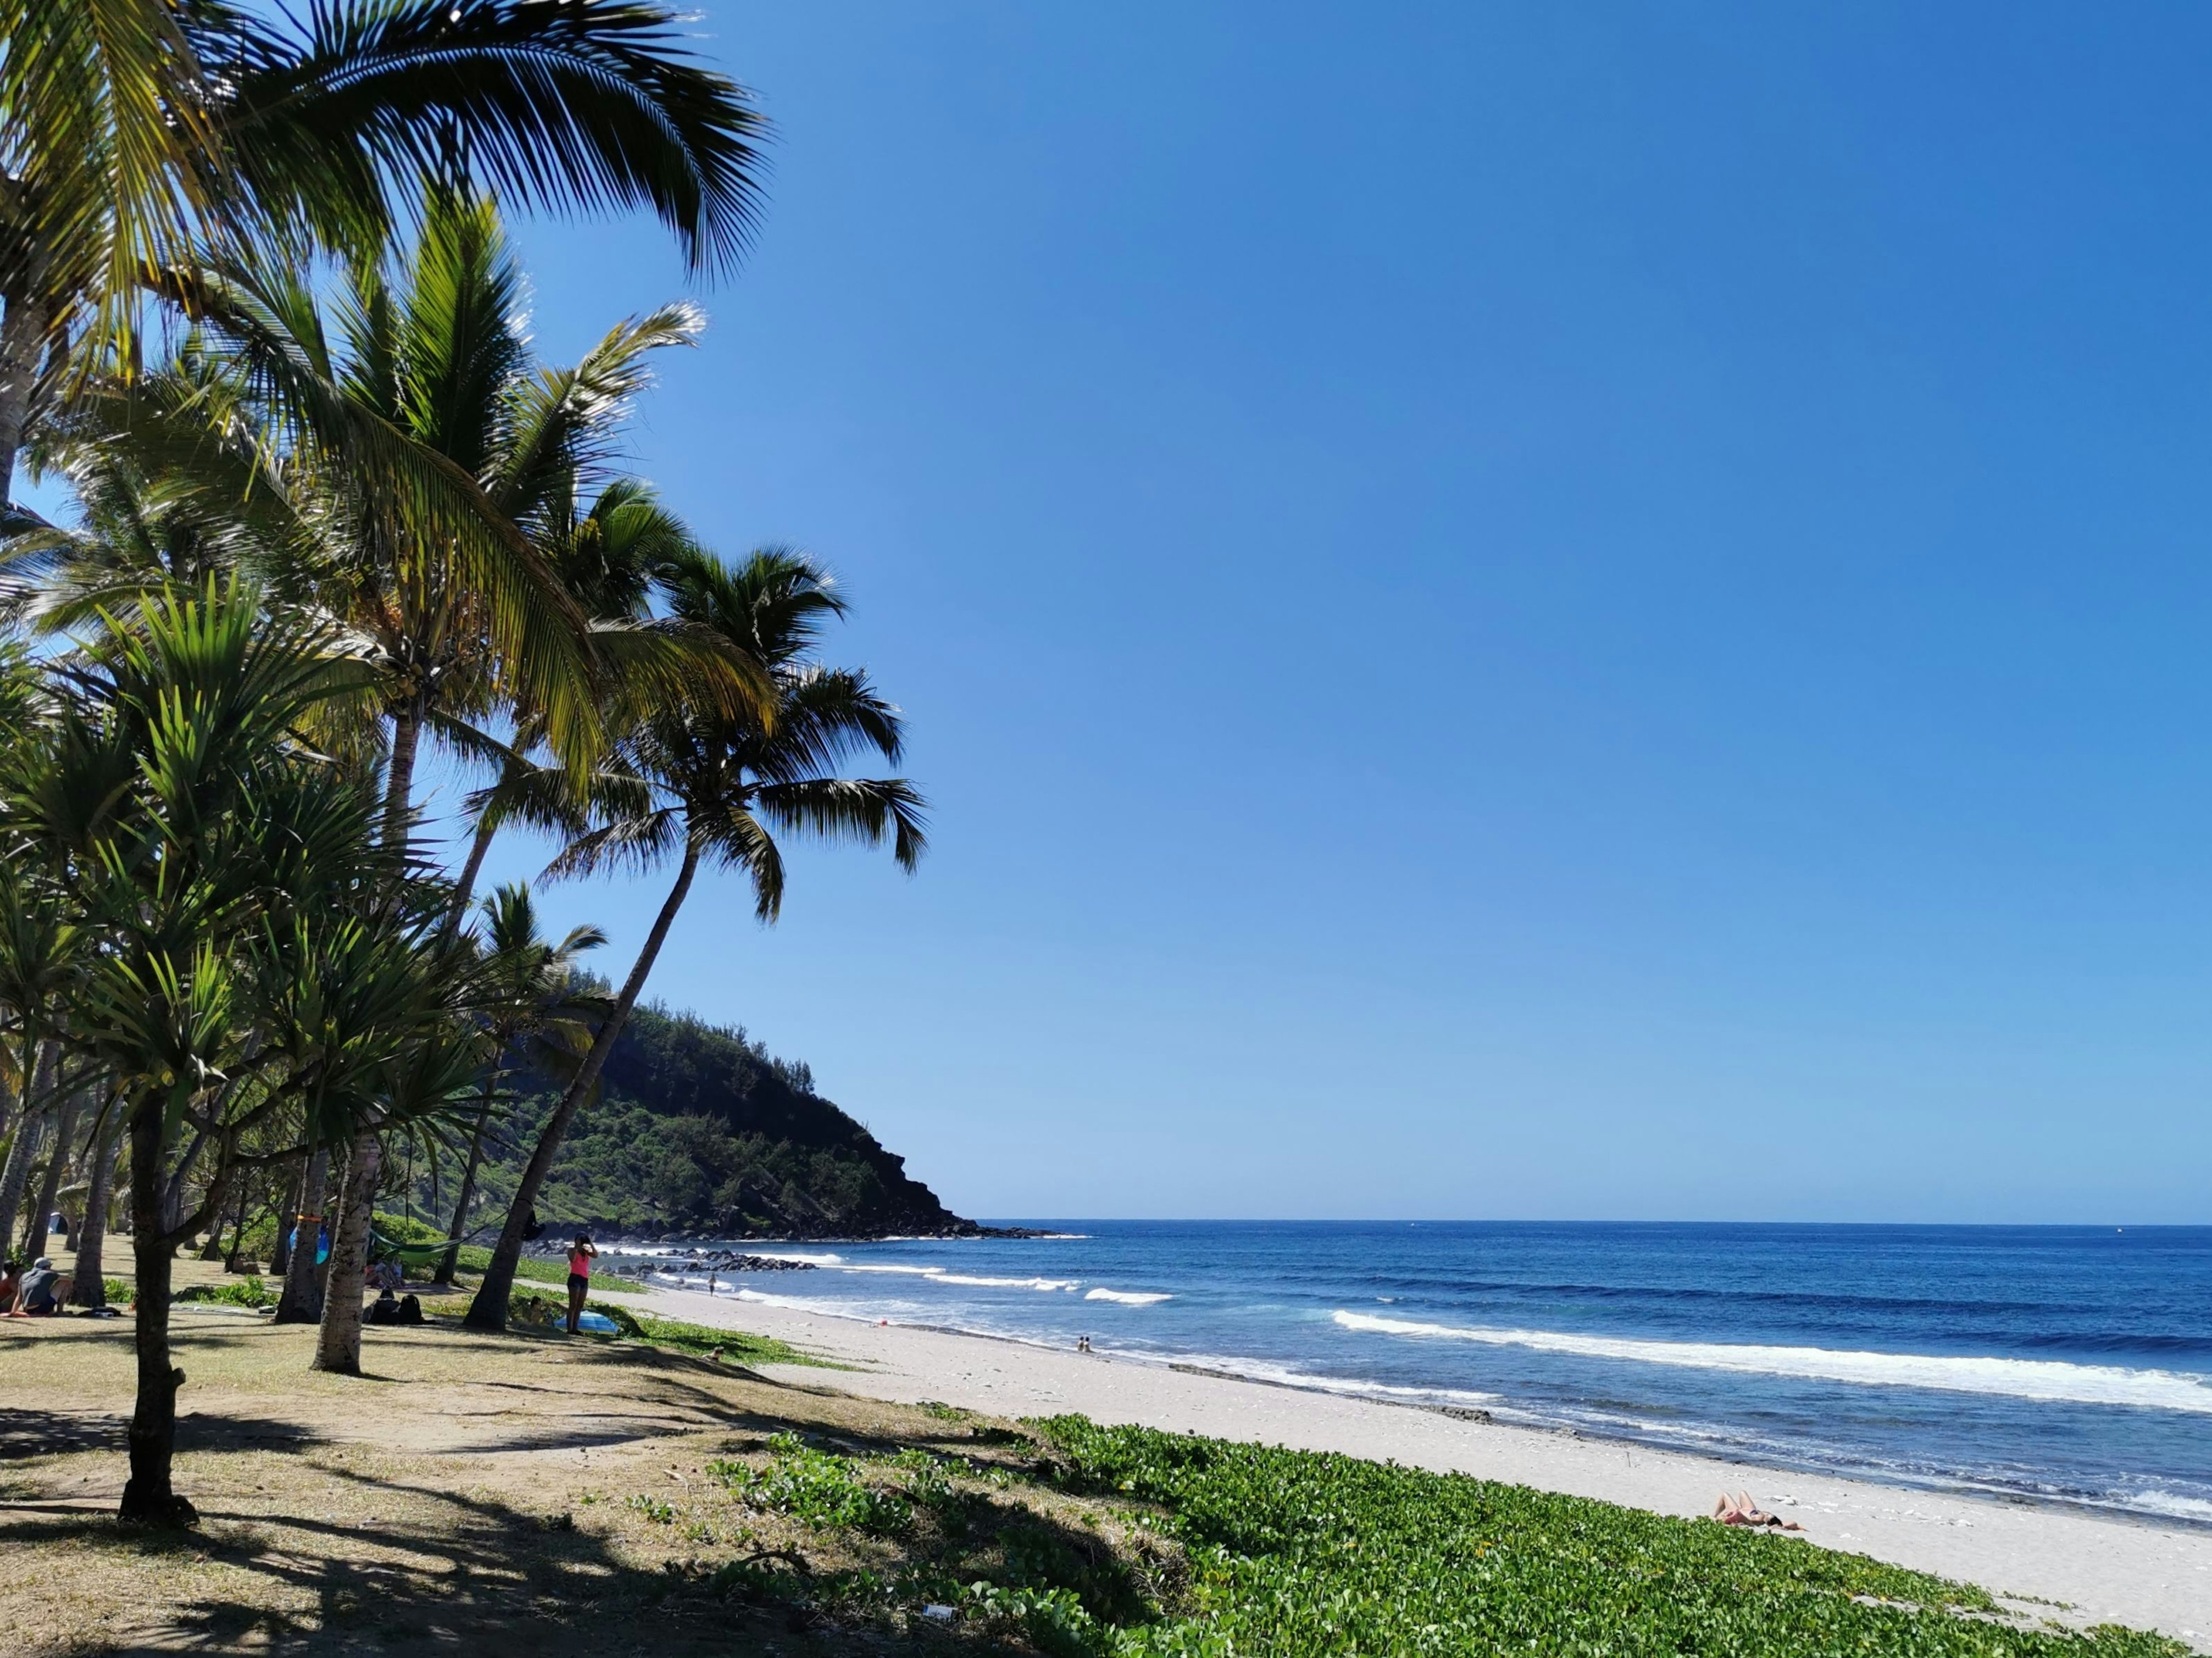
(536,1309)
(1301,1554)
(816,1488)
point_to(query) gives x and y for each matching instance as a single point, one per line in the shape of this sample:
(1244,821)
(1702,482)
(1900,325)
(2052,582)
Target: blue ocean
(2066,1365)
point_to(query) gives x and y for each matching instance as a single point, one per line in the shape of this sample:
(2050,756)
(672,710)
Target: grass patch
(529,1308)
(736,1346)
(240,1292)
(1307,1553)
(475,1258)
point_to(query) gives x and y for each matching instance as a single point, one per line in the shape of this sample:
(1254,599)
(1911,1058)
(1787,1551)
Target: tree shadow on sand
(493,1579)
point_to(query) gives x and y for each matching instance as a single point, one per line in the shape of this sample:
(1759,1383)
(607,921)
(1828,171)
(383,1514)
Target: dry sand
(2099,1569)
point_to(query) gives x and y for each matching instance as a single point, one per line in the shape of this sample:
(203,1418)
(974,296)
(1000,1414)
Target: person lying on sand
(1740,1510)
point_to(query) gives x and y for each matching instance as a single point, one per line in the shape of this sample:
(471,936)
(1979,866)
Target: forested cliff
(698,1130)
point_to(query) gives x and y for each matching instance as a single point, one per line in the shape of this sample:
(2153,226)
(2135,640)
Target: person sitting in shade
(44,1292)
(11,1279)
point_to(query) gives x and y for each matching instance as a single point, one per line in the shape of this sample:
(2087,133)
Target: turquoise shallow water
(2072,1365)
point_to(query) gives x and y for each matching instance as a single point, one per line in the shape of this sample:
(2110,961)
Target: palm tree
(413,1044)
(703,783)
(533,1003)
(397,460)
(133,131)
(432,466)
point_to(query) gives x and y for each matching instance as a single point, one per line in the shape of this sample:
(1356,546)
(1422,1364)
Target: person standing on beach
(580,1256)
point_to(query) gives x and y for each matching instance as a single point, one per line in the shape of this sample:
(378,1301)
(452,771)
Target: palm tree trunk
(173,1193)
(337,1347)
(399,775)
(30,1129)
(41,1060)
(91,1290)
(237,1231)
(465,888)
(146,1497)
(489,1311)
(452,1259)
(302,1300)
(34,1237)
(22,344)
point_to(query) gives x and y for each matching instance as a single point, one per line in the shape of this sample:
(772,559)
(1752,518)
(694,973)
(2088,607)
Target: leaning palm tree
(700,783)
(132,131)
(536,1015)
(609,553)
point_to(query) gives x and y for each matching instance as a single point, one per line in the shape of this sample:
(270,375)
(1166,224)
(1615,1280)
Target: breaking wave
(2045,1380)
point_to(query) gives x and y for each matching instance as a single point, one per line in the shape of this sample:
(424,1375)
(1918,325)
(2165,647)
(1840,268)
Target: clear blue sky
(1508,610)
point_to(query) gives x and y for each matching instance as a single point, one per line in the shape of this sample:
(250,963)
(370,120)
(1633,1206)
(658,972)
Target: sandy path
(2104,1570)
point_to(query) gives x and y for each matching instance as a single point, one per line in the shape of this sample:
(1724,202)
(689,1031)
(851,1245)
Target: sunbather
(1740,1510)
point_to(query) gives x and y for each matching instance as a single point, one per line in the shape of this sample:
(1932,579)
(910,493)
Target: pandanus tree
(698,783)
(170,777)
(133,132)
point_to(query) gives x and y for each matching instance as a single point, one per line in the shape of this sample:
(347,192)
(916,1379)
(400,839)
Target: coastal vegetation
(259,315)
(698,1129)
(551,1491)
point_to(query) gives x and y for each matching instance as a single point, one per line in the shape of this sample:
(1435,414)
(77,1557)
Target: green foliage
(1012,1570)
(535,1307)
(817,1489)
(736,1346)
(244,1292)
(1303,1554)
(118,1292)
(1052,1620)
(699,1128)
(929,1480)
(402,1229)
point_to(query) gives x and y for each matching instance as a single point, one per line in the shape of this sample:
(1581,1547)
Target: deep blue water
(2072,1364)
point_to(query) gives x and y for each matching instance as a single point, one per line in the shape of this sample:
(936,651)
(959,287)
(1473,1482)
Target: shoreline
(2100,1567)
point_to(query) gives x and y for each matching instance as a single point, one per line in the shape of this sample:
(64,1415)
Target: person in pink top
(580,1255)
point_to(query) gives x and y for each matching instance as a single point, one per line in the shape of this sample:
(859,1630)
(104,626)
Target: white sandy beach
(2101,1570)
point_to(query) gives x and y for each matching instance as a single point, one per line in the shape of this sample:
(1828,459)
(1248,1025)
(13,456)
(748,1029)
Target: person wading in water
(580,1256)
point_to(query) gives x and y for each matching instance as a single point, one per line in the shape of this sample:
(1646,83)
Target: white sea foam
(1281,1376)
(2018,1378)
(888,1268)
(2170,1503)
(1128,1297)
(801,1304)
(938,1275)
